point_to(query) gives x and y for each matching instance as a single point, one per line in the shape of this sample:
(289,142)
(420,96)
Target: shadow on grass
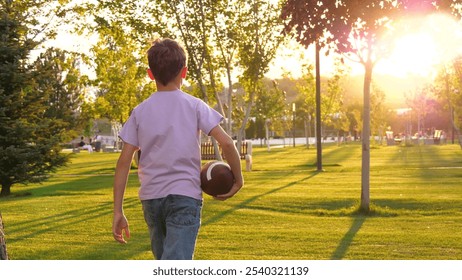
(68,185)
(339,156)
(43,224)
(245,203)
(333,157)
(346,241)
(416,206)
(358,220)
(331,208)
(420,157)
(65,222)
(390,208)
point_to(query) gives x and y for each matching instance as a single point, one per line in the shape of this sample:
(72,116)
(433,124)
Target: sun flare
(422,46)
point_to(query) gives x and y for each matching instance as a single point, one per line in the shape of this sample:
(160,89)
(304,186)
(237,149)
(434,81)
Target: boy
(166,129)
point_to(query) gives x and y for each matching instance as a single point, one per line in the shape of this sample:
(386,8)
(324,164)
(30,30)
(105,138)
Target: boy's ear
(183,72)
(151,76)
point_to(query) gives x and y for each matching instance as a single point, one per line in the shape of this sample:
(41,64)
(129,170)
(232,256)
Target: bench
(77,149)
(208,153)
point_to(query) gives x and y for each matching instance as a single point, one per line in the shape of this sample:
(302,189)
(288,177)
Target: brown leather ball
(216,178)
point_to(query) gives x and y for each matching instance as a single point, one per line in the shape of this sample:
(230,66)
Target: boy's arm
(232,157)
(120,223)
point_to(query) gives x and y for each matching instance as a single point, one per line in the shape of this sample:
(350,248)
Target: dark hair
(166,59)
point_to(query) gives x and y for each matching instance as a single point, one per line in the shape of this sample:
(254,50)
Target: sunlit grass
(287,209)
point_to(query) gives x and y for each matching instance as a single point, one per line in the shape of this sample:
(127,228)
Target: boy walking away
(166,129)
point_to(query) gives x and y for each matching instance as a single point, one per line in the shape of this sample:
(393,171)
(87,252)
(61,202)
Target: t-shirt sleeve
(129,131)
(208,117)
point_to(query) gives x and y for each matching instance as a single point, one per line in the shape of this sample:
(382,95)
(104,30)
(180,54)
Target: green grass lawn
(287,210)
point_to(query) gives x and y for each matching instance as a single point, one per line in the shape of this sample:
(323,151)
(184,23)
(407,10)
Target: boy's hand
(120,227)
(234,189)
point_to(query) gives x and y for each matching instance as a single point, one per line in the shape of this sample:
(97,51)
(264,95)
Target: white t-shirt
(166,127)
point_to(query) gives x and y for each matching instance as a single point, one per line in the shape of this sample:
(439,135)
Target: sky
(421,46)
(424,44)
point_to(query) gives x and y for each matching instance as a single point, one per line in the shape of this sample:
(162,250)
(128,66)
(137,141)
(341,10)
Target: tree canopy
(34,120)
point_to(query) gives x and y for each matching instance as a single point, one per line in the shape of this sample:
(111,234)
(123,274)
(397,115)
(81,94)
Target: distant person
(85,146)
(82,142)
(166,128)
(98,140)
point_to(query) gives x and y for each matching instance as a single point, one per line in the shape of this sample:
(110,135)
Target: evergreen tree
(29,141)
(59,79)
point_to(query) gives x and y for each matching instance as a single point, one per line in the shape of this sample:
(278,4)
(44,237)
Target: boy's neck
(169,87)
(173,85)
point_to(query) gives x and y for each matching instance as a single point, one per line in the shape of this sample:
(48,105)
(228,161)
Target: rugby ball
(216,178)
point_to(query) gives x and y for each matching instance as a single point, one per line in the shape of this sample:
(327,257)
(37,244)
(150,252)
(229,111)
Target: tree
(225,39)
(379,112)
(332,102)
(258,40)
(191,23)
(29,141)
(331,99)
(448,87)
(58,75)
(120,77)
(349,27)
(306,87)
(354,113)
(418,101)
(3,251)
(119,58)
(456,117)
(269,107)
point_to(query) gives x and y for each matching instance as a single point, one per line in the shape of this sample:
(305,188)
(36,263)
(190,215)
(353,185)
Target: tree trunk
(3,253)
(6,190)
(229,127)
(244,122)
(365,168)
(216,149)
(318,111)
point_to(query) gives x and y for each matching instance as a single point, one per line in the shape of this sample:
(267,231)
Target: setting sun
(422,45)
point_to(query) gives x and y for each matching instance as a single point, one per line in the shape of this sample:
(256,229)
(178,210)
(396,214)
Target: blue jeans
(173,224)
